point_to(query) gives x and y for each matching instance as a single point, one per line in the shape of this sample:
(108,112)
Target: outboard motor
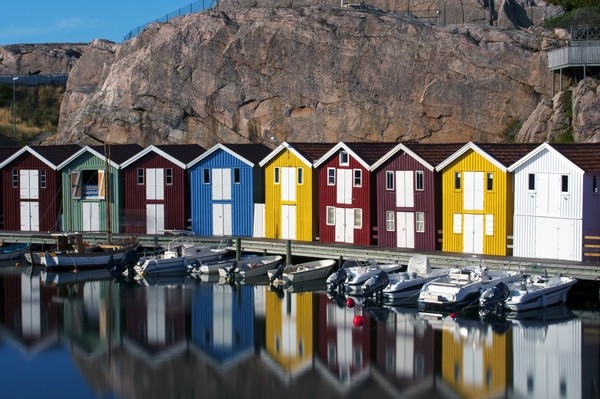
(493,298)
(376,283)
(278,273)
(130,259)
(337,279)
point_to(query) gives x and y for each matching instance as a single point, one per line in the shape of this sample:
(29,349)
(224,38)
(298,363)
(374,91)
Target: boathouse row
(527,200)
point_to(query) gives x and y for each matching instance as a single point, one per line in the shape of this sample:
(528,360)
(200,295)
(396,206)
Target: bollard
(238,248)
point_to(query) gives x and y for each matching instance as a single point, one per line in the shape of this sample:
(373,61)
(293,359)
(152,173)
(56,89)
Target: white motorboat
(250,267)
(462,287)
(313,270)
(536,292)
(404,287)
(181,252)
(353,274)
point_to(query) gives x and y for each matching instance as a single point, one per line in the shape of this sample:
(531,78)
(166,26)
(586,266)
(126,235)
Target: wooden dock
(317,250)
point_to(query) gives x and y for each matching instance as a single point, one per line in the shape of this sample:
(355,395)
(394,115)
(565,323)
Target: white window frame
(419,180)
(344,158)
(356,178)
(390,220)
(420,222)
(331,176)
(390,180)
(358,222)
(330,215)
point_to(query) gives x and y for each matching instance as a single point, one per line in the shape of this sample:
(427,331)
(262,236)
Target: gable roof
(429,155)
(250,154)
(585,156)
(308,153)
(118,153)
(6,153)
(179,154)
(365,153)
(500,154)
(51,155)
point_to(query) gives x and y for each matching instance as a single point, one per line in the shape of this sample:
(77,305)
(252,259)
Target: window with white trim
(330,220)
(357,178)
(531,182)
(206,173)
(457,223)
(331,176)
(390,221)
(389,180)
(457,180)
(140,176)
(344,158)
(419,182)
(15,178)
(300,175)
(489,225)
(42,178)
(420,220)
(357,218)
(276,174)
(169,176)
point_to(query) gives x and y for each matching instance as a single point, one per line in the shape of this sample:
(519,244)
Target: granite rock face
(33,59)
(305,74)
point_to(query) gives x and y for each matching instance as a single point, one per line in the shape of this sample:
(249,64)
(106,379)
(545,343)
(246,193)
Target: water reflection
(193,338)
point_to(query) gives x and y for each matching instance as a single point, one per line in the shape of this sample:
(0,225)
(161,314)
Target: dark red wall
(424,201)
(176,196)
(49,197)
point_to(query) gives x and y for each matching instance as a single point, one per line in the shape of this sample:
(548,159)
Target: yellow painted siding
(497,202)
(282,315)
(304,198)
(461,356)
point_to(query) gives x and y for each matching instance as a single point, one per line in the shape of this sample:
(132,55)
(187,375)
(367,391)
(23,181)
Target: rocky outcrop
(33,59)
(573,114)
(305,74)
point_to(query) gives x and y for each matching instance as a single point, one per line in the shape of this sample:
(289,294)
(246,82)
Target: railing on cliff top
(197,6)
(582,50)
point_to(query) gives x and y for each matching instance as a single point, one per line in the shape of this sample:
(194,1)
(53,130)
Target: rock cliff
(24,59)
(298,74)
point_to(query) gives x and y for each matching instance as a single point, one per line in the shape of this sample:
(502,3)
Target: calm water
(190,338)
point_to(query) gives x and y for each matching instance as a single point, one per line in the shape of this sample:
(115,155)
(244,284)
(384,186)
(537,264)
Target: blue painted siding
(242,195)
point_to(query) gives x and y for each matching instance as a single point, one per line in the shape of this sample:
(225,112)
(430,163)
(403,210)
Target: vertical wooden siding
(497,202)
(242,195)
(305,227)
(424,201)
(72,208)
(176,198)
(361,198)
(49,198)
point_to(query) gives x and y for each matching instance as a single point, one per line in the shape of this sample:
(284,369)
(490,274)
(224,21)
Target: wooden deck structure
(579,57)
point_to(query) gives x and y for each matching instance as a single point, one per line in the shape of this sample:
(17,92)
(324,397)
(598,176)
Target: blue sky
(72,21)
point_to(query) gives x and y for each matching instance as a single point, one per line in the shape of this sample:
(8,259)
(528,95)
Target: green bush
(589,16)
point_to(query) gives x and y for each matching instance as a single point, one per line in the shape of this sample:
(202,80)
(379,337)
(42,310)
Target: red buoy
(350,302)
(453,315)
(358,321)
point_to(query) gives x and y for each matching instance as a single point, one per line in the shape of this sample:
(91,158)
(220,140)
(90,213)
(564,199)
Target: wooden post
(288,252)
(238,248)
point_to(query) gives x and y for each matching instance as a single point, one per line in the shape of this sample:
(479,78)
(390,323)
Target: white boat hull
(539,295)
(252,267)
(309,271)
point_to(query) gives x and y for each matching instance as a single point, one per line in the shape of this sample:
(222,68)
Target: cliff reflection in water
(187,338)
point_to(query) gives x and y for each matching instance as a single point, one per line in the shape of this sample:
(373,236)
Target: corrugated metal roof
(56,154)
(505,153)
(183,152)
(584,155)
(434,154)
(312,151)
(119,153)
(370,152)
(250,151)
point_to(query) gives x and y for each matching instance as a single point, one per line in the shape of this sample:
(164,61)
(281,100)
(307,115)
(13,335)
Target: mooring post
(238,248)
(288,252)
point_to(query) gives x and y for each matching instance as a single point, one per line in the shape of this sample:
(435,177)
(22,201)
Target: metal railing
(197,6)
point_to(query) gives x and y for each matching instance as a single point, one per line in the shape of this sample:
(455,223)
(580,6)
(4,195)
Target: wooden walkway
(438,259)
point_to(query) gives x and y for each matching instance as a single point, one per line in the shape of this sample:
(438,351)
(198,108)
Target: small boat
(313,270)
(49,278)
(251,267)
(537,292)
(212,267)
(72,252)
(462,287)
(407,285)
(14,251)
(181,253)
(353,274)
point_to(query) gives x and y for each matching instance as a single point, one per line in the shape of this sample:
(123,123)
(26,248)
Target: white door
(473,234)
(405,189)
(288,222)
(473,191)
(155,219)
(406,229)
(29,184)
(90,215)
(344,186)
(155,184)
(221,184)
(547,194)
(288,184)
(344,225)
(30,216)
(221,219)
(554,238)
